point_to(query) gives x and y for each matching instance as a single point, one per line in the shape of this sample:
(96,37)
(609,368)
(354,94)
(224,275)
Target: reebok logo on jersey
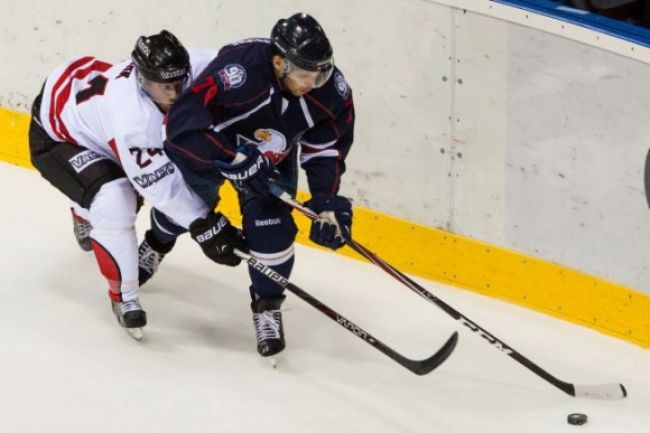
(232,76)
(82,160)
(268,222)
(148,179)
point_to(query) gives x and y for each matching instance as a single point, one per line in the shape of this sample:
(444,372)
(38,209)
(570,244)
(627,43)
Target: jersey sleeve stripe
(328,153)
(312,147)
(337,180)
(321,106)
(306,113)
(219,145)
(268,90)
(247,114)
(62,88)
(327,111)
(188,154)
(65,76)
(113,145)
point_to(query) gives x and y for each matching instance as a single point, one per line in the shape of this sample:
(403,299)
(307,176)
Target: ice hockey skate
(150,254)
(81,228)
(131,317)
(269,331)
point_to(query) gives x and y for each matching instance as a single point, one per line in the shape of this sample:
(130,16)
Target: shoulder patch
(232,76)
(341,85)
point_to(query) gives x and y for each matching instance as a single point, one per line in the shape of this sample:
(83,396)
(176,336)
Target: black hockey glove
(218,238)
(250,172)
(334,221)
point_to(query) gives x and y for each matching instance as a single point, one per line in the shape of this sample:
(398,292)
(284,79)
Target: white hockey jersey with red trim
(101,107)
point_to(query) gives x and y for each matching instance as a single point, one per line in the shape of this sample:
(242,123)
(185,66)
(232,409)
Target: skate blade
(135,333)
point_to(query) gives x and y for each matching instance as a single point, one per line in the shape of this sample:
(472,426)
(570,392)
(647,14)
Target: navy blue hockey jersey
(237,100)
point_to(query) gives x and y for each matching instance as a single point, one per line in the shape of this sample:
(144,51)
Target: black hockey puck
(576,418)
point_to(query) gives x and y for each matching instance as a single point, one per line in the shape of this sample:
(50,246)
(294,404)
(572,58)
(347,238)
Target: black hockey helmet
(302,41)
(161,58)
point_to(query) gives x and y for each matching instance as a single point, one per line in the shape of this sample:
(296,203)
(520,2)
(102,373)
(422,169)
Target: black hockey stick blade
(427,365)
(419,367)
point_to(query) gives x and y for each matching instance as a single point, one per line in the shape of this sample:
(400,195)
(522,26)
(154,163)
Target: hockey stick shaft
(419,367)
(612,391)
(606,391)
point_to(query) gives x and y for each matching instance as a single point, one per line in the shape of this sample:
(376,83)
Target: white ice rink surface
(67,367)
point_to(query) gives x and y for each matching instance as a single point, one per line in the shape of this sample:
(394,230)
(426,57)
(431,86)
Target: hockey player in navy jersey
(261,108)
(96,135)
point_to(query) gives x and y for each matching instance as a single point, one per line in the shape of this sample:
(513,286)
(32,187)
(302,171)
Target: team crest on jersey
(232,76)
(341,85)
(270,143)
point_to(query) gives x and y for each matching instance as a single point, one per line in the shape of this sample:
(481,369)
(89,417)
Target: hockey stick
(420,367)
(610,391)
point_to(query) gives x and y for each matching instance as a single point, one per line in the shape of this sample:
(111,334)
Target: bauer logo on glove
(250,172)
(218,238)
(245,168)
(212,231)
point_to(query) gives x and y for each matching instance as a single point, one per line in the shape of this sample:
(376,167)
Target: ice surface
(66,366)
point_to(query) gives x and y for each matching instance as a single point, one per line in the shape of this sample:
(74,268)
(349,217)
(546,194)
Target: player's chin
(165,107)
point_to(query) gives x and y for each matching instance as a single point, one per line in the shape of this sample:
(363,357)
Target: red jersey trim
(63,86)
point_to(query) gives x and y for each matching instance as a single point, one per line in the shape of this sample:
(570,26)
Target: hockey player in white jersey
(96,135)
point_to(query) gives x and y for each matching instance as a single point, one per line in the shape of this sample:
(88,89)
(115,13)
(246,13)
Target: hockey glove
(218,238)
(334,222)
(250,171)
